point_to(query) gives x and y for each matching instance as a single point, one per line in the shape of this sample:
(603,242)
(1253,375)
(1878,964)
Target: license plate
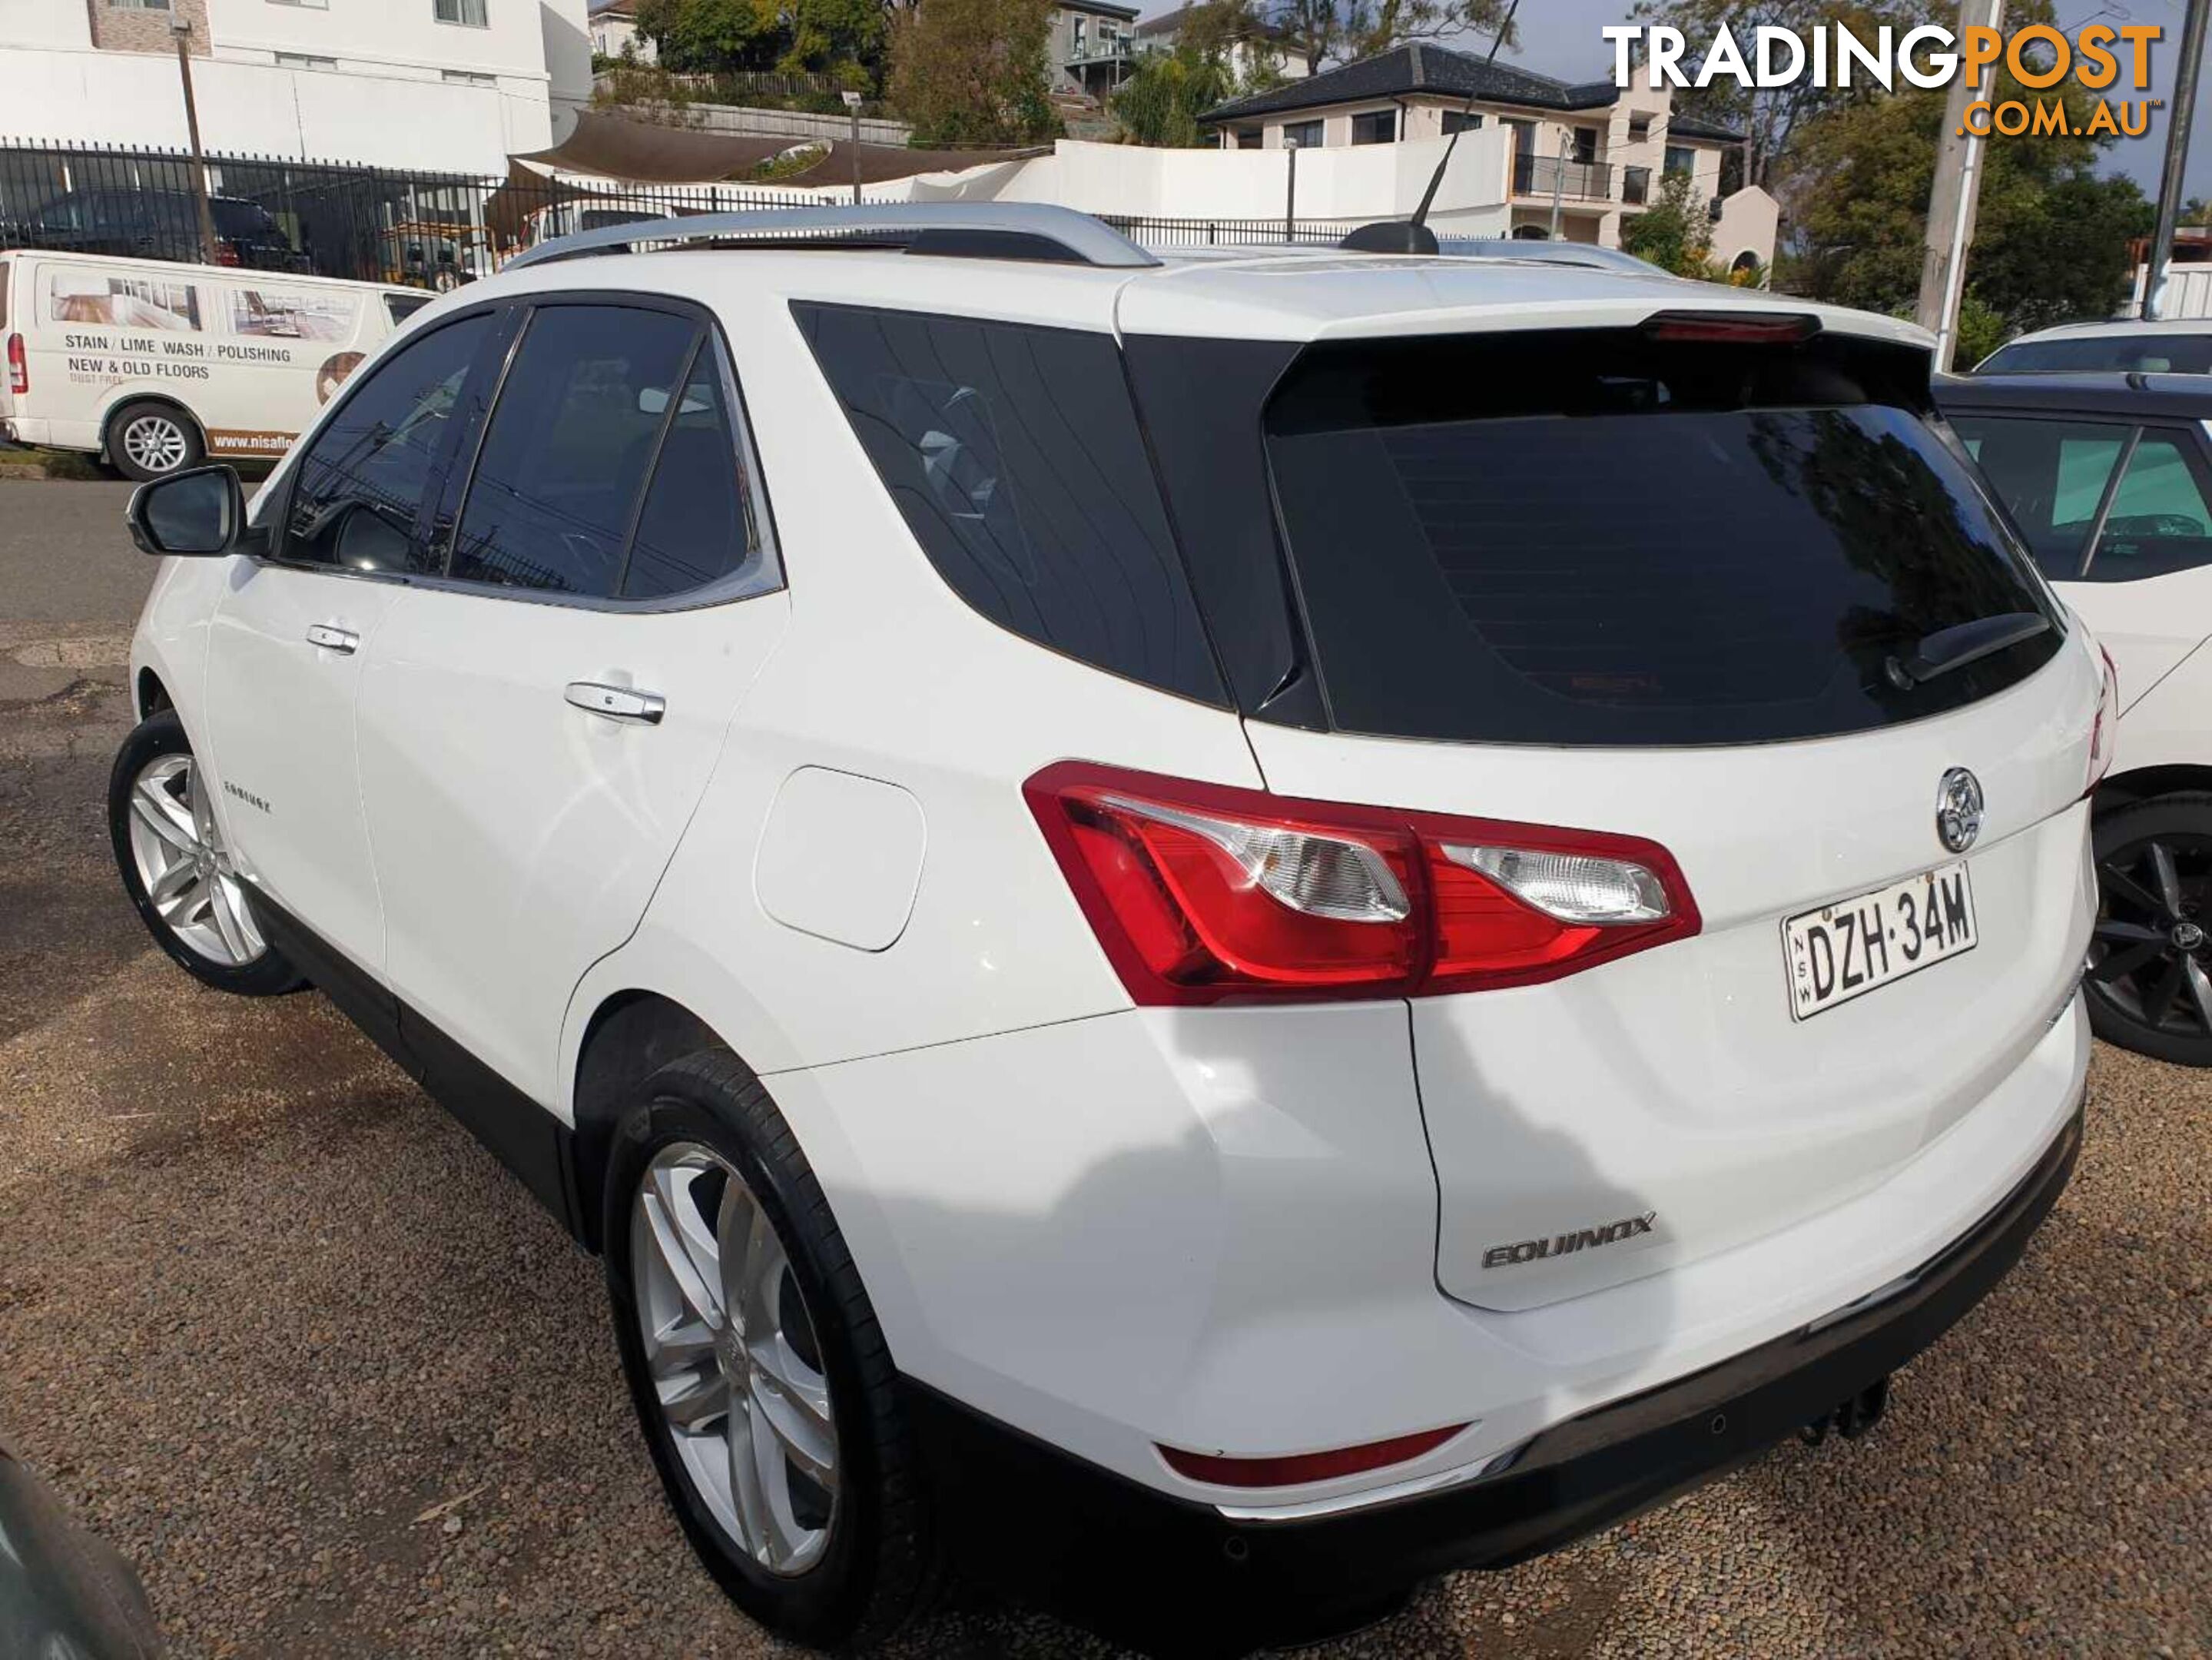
(1854,946)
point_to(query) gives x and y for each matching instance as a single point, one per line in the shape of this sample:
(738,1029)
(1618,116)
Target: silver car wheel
(184,866)
(155,443)
(731,1349)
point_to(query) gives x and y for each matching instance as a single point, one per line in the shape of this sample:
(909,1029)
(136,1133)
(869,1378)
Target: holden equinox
(1202,937)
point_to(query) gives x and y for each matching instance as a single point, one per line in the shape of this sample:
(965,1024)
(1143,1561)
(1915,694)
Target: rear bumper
(1172,1574)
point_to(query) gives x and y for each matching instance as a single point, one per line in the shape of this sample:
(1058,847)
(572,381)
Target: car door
(537,727)
(292,630)
(2119,514)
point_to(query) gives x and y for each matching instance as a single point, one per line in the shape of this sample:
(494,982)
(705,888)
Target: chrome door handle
(618,703)
(342,640)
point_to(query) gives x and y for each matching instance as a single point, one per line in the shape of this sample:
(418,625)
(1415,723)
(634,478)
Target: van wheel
(2150,959)
(152,441)
(760,1375)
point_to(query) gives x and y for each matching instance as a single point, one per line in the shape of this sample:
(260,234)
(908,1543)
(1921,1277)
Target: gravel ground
(280,1330)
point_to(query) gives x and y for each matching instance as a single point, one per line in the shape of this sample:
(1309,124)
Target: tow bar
(1854,1417)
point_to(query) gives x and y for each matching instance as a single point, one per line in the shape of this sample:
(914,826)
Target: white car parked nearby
(156,367)
(2124,345)
(1201,936)
(2109,479)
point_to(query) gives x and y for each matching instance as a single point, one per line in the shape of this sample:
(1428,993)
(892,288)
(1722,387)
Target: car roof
(2183,396)
(2116,325)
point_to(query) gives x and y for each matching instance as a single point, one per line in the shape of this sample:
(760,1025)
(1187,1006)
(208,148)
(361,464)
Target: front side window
(566,453)
(357,504)
(2160,520)
(1452,510)
(1014,455)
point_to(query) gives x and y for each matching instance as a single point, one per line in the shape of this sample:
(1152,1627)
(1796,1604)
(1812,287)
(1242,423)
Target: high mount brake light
(1202,893)
(1741,328)
(2104,736)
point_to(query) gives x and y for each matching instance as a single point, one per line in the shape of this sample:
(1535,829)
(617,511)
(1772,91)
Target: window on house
(1460,121)
(1306,135)
(1376,127)
(1639,129)
(305,5)
(1250,138)
(469,13)
(1584,141)
(1635,185)
(137,5)
(1680,158)
(468,78)
(301,60)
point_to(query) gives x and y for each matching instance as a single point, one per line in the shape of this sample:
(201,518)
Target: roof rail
(999,230)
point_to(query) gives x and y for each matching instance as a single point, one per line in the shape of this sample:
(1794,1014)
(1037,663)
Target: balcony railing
(1101,52)
(1577,181)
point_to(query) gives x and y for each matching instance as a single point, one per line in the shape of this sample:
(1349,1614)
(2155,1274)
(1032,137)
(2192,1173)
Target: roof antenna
(1413,235)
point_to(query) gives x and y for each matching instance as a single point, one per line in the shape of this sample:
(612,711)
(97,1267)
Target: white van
(154,366)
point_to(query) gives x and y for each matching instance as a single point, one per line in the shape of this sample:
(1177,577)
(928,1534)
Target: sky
(1560,37)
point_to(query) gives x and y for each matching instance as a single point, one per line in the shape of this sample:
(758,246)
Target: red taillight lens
(1290,1471)
(1201,893)
(2104,736)
(19,365)
(226,254)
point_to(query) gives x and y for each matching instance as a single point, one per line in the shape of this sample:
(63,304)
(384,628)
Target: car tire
(857,1560)
(2150,961)
(176,871)
(148,441)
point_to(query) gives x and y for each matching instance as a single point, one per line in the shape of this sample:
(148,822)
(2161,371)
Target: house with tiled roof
(1587,155)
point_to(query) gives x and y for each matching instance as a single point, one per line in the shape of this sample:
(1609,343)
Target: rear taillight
(19,365)
(226,253)
(2104,736)
(1201,893)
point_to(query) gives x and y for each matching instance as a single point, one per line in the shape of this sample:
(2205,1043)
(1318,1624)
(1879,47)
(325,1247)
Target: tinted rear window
(2147,354)
(1589,539)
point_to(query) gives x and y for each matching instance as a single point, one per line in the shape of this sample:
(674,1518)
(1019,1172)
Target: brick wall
(132,28)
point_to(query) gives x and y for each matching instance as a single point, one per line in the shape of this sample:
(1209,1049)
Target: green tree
(1673,233)
(1160,104)
(1769,116)
(2050,235)
(1340,31)
(712,37)
(973,71)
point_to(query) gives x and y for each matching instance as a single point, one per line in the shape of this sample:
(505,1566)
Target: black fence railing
(379,225)
(1577,181)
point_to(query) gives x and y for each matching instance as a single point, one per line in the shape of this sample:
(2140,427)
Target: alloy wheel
(2147,959)
(155,443)
(186,871)
(733,1359)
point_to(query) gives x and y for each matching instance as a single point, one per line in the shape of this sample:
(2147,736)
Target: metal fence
(380,225)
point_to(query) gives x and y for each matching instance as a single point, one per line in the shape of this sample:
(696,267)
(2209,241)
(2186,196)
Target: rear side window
(700,522)
(1014,455)
(1590,539)
(2147,354)
(566,456)
(361,482)
(2050,476)
(401,307)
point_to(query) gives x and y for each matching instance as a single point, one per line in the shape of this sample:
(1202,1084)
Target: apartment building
(446,85)
(1593,152)
(1092,46)
(1261,50)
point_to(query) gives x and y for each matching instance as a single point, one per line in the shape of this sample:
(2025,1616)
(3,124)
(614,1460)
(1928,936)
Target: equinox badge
(1534,1251)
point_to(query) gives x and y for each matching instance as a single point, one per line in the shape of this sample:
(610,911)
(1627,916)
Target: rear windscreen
(2144,354)
(1590,539)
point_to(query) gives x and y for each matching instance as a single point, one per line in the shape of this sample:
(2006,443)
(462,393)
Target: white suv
(1202,937)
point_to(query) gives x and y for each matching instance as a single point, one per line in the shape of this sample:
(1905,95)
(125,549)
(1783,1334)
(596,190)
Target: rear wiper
(1966,642)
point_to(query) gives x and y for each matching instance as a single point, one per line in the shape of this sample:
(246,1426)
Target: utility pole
(1951,203)
(1559,176)
(180,27)
(2179,115)
(1291,195)
(853,103)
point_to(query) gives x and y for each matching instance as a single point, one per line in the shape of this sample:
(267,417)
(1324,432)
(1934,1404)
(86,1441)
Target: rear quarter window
(1013,455)
(1590,538)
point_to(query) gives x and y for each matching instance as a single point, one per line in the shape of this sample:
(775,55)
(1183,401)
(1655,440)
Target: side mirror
(196,514)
